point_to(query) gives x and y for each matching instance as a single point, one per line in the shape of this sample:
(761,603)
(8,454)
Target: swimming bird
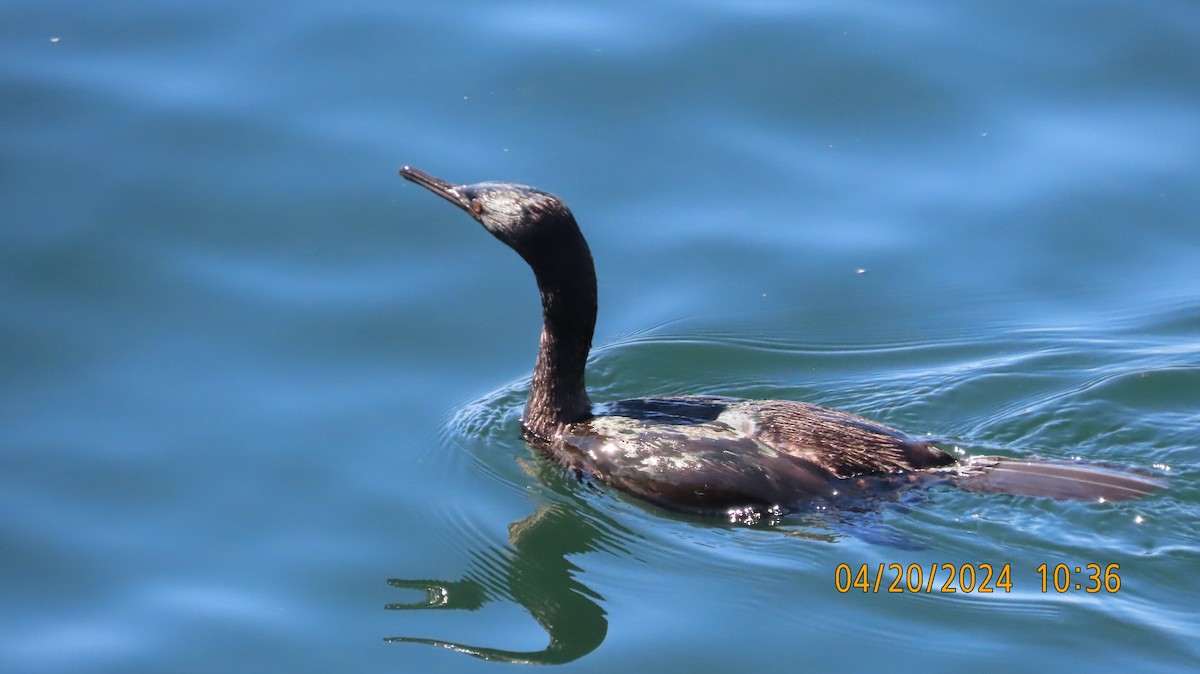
(705,454)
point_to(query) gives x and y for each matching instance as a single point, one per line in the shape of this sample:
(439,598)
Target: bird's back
(707,454)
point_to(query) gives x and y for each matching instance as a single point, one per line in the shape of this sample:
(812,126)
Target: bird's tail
(1049,478)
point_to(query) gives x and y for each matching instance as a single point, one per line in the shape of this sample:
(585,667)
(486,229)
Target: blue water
(260,396)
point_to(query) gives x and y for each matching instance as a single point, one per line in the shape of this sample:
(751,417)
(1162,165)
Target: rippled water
(261,397)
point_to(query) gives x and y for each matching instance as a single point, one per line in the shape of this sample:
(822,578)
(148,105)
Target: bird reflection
(534,572)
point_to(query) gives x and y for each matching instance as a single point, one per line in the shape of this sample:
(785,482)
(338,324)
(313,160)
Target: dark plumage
(709,454)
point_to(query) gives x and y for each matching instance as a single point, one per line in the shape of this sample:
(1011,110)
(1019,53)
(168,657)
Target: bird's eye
(476,206)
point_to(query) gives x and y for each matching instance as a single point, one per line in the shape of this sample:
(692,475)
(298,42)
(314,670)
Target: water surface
(259,392)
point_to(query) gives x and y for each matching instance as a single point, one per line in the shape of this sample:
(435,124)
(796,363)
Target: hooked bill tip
(416,175)
(436,185)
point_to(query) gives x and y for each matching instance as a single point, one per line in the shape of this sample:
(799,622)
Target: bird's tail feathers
(1051,478)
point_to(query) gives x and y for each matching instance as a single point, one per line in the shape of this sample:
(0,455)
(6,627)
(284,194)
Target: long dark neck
(566,279)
